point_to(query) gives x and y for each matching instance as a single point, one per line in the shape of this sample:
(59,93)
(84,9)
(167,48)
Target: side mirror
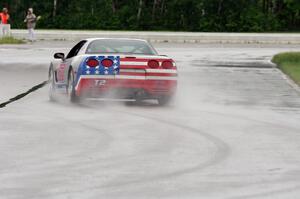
(59,56)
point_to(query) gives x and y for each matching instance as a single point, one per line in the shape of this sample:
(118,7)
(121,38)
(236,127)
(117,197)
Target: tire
(164,100)
(51,84)
(138,100)
(130,103)
(70,89)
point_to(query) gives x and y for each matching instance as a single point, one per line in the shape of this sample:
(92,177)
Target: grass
(10,40)
(289,63)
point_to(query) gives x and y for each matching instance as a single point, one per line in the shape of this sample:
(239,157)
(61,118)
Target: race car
(113,68)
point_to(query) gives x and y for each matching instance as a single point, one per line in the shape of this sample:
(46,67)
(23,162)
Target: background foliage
(176,15)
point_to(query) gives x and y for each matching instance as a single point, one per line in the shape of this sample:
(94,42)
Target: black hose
(41,85)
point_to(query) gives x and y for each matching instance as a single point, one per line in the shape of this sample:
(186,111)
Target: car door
(64,65)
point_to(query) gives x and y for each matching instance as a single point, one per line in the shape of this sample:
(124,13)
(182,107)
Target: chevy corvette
(113,68)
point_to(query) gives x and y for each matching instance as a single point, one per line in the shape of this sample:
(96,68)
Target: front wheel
(70,89)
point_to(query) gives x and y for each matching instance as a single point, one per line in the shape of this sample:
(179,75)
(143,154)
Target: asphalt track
(232,132)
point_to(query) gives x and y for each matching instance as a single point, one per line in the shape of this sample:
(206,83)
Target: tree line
(174,15)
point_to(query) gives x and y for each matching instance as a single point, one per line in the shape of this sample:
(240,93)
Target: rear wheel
(164,100)
(70,89)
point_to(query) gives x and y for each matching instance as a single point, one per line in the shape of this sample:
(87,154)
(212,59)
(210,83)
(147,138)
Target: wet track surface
(232,132)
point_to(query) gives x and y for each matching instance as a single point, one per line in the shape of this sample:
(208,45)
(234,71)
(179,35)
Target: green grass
(10,40)
(289,63)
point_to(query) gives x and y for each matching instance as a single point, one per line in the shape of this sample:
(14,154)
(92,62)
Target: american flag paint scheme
(118,68)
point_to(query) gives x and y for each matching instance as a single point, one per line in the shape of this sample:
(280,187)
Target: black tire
(130,103)
(51,84)
(138,101)
(70,89)
(164,100)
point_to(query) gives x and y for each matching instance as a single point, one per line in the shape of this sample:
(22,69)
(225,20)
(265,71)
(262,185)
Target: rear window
(120,46)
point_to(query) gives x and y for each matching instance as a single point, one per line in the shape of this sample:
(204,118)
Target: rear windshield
(120,46)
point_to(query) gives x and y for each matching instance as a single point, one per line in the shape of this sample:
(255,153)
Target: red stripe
(149,74)
(143,67)
(162,69)
(162,74)
(143,59)
(131,67)
(132,73)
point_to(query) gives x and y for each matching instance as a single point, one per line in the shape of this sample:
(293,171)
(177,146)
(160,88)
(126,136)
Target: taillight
(107,62)
(153,64)
(92,62)
(167,64)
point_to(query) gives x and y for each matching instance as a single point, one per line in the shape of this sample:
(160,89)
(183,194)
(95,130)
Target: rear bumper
(121,86)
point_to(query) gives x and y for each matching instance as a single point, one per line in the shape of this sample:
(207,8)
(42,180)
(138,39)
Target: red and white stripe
(138,67)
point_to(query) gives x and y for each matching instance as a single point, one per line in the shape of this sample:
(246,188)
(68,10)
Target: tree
(181,15)
(54,7)
(140,8)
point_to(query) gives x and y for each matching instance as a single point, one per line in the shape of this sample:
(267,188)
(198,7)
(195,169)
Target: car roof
(124,39)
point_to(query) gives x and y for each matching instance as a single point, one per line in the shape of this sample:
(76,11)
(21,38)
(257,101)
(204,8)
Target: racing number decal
(61,72)
(100,83)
